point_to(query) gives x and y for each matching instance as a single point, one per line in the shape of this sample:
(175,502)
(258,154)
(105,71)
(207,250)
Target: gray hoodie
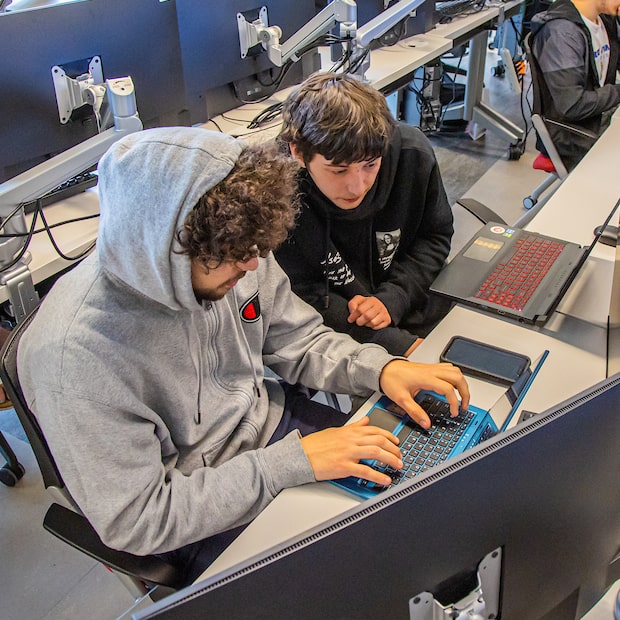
(156,408)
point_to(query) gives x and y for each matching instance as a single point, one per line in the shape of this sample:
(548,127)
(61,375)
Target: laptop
(448,437)
(513,272)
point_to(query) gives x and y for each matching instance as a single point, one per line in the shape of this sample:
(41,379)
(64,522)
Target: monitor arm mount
(258,31)
(32,184)
(72,93)
(376,28)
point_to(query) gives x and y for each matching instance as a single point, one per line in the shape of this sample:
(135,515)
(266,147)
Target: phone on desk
(485,361)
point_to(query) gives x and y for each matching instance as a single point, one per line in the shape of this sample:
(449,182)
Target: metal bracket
(249,31)
(482,602)
(70,92)
(22,295)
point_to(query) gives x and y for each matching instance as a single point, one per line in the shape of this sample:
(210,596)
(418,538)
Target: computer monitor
(137,38)
(217,78)
(421,22)
(535,511)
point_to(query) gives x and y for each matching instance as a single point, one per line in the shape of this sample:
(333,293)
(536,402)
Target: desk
(474,28)
(392,68)
(575,336)
(298,509)
(581,203)
(71,238)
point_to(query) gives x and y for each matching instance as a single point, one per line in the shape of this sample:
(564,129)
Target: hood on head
(148,183)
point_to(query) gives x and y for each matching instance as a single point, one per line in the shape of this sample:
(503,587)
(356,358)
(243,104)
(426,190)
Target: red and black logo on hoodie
(250,311)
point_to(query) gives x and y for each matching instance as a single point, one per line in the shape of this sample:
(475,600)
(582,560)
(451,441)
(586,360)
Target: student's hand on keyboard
(401,380)
(337,452)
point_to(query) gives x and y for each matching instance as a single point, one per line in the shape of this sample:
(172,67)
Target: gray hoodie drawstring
(198,415)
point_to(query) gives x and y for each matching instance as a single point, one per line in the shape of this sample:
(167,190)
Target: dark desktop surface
(545,493)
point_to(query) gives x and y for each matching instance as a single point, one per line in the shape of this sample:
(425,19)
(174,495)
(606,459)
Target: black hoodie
(570,90)
(391,246)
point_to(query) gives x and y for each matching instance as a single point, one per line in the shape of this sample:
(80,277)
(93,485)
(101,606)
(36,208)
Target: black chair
(549,159)
(141,575)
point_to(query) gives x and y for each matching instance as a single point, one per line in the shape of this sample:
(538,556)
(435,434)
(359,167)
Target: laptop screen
(510,401)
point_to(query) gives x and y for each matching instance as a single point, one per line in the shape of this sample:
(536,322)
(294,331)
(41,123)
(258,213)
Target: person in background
(146,364)
(375,224)
(575,44)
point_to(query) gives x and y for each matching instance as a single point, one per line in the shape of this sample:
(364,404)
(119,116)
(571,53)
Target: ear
(297,155)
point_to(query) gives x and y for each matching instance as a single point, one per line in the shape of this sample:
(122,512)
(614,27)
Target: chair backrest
(544,142)
(581,139)
(138,573)
(10,381)
(538,84)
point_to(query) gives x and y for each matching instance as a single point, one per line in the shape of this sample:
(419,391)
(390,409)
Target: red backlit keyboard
(512,283)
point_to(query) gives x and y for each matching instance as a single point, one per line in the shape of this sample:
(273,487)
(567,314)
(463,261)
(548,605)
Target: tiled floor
(42,578)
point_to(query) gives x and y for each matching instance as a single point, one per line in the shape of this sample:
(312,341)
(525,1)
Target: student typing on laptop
(145,365)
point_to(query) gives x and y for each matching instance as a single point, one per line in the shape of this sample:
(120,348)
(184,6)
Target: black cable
(423,104)
(456,9)
(346,56)
(444,110)
(267,115)
(216,125)
(60,253)
(50,226)
(273,111)
(276,83)
(39,211)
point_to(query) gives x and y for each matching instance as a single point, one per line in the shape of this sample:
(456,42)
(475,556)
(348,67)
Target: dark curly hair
(338,117)
(249,213)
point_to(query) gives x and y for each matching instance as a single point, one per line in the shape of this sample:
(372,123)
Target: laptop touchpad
(483,249)
(384,419)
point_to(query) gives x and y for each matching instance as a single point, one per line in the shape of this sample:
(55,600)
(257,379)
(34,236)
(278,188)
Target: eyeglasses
(253,252)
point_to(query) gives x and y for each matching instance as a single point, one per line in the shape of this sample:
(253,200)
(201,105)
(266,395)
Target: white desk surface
(586,197)
(582,202)
(388,65)
(463,24)
(605,608)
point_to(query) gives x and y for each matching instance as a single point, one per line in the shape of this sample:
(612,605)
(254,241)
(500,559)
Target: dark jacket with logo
(570,91)
(391,246)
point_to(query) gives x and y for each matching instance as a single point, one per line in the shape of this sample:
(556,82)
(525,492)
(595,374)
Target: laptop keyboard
(512,283)
(421,449)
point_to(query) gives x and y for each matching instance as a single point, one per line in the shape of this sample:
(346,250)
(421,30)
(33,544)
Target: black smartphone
(486,361)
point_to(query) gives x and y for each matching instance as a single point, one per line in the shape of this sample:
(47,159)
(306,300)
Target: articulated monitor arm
(379,25)
(37,181)
(251,34)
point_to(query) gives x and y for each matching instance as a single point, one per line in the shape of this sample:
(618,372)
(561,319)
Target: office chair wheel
(529,202)
(516,150)
(9,476)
